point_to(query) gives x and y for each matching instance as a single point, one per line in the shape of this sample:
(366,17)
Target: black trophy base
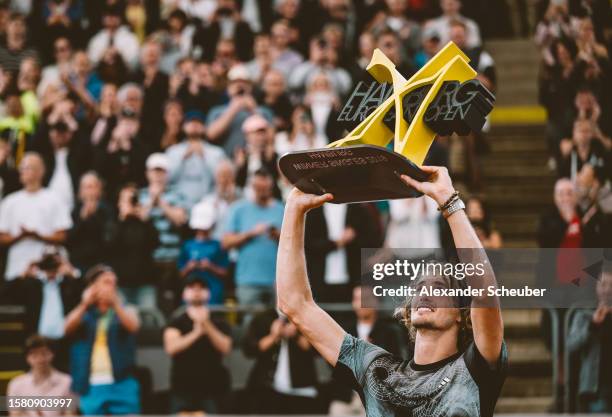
(352,174)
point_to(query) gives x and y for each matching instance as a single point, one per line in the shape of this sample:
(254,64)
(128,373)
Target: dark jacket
(28,292)
(207,37)
(131,251)
(318,245)
(88,239)
(595,233)
(301,363)
(79,156)
(120,167)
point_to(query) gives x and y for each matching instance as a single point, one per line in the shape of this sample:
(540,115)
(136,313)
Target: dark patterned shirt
(462,385)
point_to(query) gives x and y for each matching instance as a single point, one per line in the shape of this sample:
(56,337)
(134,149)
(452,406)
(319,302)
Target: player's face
(433,313)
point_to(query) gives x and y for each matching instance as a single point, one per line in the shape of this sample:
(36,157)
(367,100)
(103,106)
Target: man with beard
(197,343)
(194,161)
(459,361)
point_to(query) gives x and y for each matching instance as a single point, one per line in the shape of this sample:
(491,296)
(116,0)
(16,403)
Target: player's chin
(422,315)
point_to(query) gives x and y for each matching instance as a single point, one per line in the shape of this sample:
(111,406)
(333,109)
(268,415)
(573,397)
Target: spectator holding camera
(48,290)
(252,227)
(102,355)
(203,256)
(131,247)
(31,218)
(283,379)
(167,209)
(225,122)
(41,380)
(197,342)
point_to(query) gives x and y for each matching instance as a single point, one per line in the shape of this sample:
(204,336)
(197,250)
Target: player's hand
(302,202)
(439,187)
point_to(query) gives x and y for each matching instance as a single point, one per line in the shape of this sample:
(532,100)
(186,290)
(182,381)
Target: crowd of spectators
(138,150)
(574,41)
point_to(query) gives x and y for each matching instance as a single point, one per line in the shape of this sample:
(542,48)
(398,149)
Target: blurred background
(141,203)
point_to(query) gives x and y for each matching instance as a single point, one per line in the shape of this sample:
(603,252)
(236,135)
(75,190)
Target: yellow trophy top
(411,140)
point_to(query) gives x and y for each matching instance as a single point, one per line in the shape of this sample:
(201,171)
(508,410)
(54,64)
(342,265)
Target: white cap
(203,216)
(239,72)
(158,160)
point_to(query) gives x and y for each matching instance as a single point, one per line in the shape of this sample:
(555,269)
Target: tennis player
(460,358)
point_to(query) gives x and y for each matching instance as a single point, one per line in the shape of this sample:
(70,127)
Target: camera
(134,199)
(49,262)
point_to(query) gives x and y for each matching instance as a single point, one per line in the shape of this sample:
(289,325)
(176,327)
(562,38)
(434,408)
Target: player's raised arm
(485,314)
(292,286)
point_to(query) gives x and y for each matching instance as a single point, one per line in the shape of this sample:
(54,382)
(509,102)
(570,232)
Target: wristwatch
(453,207)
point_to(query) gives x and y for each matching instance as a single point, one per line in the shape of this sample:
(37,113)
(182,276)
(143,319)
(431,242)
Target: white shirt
(364,330)
(442,26)
(336,271)
(61,181)
(42,212)
(282,376)
(125,42)
(250,13)
(300,142)
(414,224)
(201,9)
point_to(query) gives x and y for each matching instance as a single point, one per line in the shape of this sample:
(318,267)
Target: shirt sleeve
(357,355)
(231,223)
(5,226)
(480,369)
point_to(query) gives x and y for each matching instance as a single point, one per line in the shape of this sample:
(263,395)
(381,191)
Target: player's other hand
(302,202)
(439,187)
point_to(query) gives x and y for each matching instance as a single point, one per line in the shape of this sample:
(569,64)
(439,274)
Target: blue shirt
(198,250)
(234,137)
(169,235)
(51,319)
(256,264)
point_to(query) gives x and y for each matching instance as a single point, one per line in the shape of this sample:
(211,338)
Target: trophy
(442,98)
